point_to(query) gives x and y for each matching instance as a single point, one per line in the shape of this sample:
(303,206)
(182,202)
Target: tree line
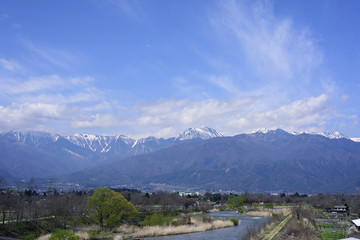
(26,209)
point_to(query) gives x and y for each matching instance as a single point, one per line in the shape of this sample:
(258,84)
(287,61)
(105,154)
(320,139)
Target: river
(235,232)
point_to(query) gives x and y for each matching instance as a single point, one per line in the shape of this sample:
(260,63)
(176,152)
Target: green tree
(269,205)
(235,203)
(111,207)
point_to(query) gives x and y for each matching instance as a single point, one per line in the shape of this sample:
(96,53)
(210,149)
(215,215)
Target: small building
(356,222)
(341,209)
(350,238)
(328,210)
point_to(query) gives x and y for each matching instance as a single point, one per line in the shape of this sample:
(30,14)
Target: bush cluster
(63,235)
(157,220)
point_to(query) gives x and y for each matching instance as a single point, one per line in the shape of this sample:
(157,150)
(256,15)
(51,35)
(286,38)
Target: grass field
(328,234)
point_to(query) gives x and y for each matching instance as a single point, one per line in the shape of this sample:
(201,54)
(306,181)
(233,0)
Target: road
(276,230)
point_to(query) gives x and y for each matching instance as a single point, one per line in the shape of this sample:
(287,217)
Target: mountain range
(274,161)
(265,160)
(26,154)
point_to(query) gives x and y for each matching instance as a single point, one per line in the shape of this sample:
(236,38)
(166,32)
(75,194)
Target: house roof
(340,206)
(350,239)
(356,222)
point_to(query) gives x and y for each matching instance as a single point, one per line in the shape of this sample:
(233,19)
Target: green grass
(321,224)
(328,234)
(157,219)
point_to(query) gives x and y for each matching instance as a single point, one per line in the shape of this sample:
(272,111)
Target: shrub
(240,211)
(92,233)
(222,208)
(29,237)
(235,221)
(181,220)
(255,205)
(269,205)
(63,235)
(157,219)
(206,218)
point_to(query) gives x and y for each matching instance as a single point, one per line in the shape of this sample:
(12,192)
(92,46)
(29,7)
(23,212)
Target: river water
(235,232)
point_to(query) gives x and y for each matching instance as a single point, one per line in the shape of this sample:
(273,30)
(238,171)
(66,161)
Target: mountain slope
(271,161)
(37,154)
(25,154)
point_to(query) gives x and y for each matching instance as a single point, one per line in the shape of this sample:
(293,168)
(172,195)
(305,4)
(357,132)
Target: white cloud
(54,56)
(97,121)
(224,82)
(82,80)
(52,89)
(84,96)
(169,112)
(301,114)
(165,132)
(275,50)
(187,88)
(9,65)
(34,84)
(344,98)
(30,115)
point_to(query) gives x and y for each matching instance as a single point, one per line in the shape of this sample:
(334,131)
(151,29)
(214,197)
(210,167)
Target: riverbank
(275,216)
(197,225)
(268,212)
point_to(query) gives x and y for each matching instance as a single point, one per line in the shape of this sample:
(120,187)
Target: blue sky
(143,68)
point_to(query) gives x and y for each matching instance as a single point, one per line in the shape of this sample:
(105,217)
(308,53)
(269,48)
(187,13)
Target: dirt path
(276,230)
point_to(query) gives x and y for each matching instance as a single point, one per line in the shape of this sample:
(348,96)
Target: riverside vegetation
(123,213)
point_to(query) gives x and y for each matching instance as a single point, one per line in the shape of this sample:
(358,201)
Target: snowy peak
(198,133)
(271,132)
(98,143)
(262,130)
(125,139)
(332,135)
(327,134)
(355,139)
(31,137)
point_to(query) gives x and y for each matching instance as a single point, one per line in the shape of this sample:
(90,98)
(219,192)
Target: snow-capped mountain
(150,144)
(332,135)
(262,130)
(35,153)
(271,161)
(30,137)
(41,154)
(327,134)
(25,154)
(198,133)
(120,144)
(99,143)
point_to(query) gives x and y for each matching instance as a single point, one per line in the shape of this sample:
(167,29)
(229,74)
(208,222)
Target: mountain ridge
(262,160)
(63,154)
(273,161)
